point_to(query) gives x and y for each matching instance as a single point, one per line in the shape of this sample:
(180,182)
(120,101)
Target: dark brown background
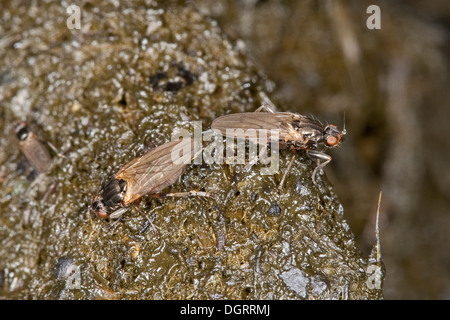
(393,86)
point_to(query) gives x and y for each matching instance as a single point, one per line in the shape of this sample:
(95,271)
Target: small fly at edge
(33,149)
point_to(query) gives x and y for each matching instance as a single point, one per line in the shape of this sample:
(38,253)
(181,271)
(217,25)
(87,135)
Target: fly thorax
(311,137)
(113,194)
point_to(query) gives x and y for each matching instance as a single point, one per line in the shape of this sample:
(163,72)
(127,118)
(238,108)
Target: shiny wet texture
(104,95)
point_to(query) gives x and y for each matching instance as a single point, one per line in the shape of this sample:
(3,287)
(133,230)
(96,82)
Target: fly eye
(22,133)
(99,208)
(332,141)
(102,214)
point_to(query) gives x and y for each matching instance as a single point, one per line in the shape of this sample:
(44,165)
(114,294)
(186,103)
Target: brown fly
(149,174)
(33,149)
(293,130)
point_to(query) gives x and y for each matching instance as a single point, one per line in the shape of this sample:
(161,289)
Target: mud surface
(108,92)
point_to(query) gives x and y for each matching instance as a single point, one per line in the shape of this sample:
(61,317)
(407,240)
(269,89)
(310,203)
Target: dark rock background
(108,92)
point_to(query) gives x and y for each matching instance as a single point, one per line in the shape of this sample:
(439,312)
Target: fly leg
(265,106)
(143,230)
(280,187)
(184,194)
(255,159)
(269,106)
(320,166)
(59,154)
(116,215)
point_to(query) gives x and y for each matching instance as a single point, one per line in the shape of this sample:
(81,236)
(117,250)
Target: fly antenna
(344,131)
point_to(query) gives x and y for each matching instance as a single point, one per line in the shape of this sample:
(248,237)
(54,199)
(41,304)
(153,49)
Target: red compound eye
(332,141)
(102,214)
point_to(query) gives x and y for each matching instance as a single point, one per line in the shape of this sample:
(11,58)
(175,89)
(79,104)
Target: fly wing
(156,169)
(36,153)
(240,125)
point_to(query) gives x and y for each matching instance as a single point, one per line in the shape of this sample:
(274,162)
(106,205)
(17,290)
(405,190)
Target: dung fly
(148,174)
(293,130)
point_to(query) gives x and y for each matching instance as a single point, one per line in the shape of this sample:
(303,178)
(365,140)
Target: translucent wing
(33,148)
(36,153)
(156,169)
(238,125)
